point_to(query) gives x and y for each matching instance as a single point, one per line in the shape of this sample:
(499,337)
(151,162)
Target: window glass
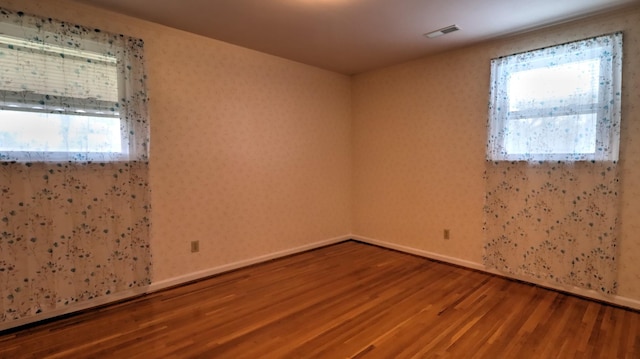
(558,103)
(69,96)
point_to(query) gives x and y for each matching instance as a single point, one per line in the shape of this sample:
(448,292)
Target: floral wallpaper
(554,221)
(76,229)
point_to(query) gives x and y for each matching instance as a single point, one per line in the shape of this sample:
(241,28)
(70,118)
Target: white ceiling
(353,36)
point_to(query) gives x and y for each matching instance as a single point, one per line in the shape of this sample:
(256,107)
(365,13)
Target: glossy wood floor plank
(348,300)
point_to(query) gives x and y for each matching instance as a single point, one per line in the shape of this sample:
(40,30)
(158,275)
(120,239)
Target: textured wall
(250,153)
(419,144)
(251,157)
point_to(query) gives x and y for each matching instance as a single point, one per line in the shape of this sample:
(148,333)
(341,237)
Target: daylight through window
(558,103)
(59,96)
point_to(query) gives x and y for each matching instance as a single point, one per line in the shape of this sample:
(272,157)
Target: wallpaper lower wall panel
(250,153)
(419,144)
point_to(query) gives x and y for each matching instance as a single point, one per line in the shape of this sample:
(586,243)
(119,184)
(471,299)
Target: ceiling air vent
(443,31)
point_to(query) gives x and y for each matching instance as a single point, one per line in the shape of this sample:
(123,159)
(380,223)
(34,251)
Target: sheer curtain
(74,141)
(551,206)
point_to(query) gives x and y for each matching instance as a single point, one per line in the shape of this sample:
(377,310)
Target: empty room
(319,179)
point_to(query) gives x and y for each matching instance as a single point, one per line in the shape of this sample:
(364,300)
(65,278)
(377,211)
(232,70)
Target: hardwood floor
(349,300)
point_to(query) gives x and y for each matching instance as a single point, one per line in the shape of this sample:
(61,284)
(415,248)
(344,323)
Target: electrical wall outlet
(195,246)
(447,234)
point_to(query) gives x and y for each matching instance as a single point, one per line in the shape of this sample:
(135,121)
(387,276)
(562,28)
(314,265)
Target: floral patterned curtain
(555,222)
(74,196)
(552,199)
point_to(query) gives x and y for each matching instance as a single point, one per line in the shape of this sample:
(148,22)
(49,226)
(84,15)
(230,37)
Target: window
(74,166)
(558,103)
(62,95)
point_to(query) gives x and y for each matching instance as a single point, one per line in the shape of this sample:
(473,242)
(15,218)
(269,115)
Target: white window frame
(27,101)
(607,137)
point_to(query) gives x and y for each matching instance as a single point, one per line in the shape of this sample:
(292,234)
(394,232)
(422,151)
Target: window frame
(28,101)
(606,145)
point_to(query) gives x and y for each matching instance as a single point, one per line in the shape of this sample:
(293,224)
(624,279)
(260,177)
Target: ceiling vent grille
(443,31)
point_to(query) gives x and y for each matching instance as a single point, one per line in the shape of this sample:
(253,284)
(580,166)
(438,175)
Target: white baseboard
(240,264)
(156,286)
(115,297)
(592,294)
(420,252)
